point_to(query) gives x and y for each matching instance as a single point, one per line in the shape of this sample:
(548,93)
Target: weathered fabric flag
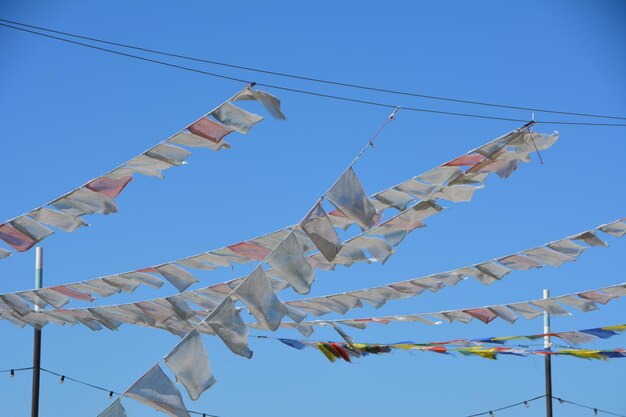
(157,391)
(348,196)
(190,363)
(257,294)
(114,410)
(226,322)
(288,261)
(321,231)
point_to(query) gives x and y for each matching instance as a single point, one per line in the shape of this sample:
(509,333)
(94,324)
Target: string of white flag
(98,195)
(172,312)
(188,359)
(584,301)
(415,199)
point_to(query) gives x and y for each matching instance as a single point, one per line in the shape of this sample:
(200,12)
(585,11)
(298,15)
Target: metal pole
(547,358)
(37,339)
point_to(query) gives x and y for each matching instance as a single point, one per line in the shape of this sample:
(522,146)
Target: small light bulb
(62,379)
(110,394)
(12,373)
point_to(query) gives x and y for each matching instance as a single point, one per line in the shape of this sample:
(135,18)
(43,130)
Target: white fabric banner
(114,410)
(157,391)
(190,363)
(257,294)
(348,196)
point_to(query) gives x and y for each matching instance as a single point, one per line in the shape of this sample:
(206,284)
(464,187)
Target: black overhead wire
(317,80)
(260,84)
(311,93)
(67,378)
(78,381)
(490,412)
(526,403)
(594,409)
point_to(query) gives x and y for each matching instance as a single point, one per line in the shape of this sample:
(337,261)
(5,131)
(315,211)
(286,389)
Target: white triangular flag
(226,322)
(348,196)
(321,231)
(157,391)
(257,294)
(288,261)
(114,410)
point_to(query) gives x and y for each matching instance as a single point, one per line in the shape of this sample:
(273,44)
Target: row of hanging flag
(179,318)
(373,245)
(584,301)
(349,349)
(341,350)
(98,195)
(155,388)
(571,337)
(170,402)
(188,359)
(13,306)
(255,290)
(551,254)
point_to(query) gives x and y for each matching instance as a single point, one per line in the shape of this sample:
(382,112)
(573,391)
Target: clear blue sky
(70,114)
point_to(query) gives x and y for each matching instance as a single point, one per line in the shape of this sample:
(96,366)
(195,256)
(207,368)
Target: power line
(64,378)
(307,92)
(317,80)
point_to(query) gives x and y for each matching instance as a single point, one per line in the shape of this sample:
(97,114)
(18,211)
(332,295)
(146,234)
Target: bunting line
(348,351)
(573,337)
(98,195)
(180,319)
(553,254)
(414,199)
(188,359)
(550,254)
(585,301)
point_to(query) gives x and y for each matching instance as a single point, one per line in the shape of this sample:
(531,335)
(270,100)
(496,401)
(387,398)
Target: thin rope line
(369,144)
(16,369)
(508,406)
(598,410)
(307,92)
(67,378)
(317,80)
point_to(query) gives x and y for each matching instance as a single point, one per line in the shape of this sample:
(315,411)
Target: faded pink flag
(482,314)
(73,293)
(111,187)
(210,130)
(465,160)
(16,239)
(250,250)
